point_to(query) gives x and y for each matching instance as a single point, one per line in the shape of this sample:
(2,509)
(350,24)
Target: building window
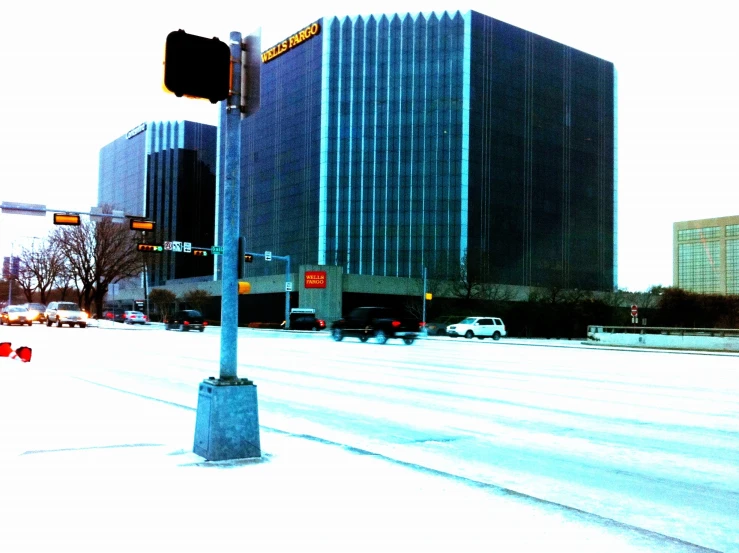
(706,233)
(732,264)
(732,230)
(699,267)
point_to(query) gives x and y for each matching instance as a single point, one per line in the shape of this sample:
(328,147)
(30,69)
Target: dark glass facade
(391,143)
(166,172)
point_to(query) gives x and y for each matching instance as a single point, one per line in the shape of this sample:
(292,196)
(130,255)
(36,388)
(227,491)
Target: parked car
(478,327)
(380,323)
(303,318)
(37,311)
(134,317)
(65,312)
(188,319)
(16,315)
(437,327)
(113,315)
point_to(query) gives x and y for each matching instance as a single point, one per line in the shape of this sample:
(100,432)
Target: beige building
(705,255)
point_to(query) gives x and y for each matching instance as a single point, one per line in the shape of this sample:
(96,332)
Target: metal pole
(287,294)
(231,207)
(10,274)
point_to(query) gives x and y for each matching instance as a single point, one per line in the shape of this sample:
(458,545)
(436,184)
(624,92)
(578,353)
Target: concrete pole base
(227,421)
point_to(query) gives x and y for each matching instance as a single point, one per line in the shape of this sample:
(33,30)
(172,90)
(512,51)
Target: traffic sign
(216,250)
(288,286)
(268,256)
(634,310)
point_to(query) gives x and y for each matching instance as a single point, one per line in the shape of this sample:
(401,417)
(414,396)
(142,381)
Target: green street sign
(216,250)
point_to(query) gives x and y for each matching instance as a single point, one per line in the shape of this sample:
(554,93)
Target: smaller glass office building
(706,255)
(165,171)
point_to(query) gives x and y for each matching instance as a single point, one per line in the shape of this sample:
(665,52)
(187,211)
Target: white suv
(479,327)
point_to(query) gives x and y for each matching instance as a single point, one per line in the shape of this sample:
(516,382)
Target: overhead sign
(315,279)
(216,250)
(268,256)
(289,43)
(175,246)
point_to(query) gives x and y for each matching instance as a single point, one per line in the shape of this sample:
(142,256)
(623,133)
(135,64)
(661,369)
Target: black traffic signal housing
(66,219)
(150,247)
(201,253)
(141,224)
(248,258)
(197,67)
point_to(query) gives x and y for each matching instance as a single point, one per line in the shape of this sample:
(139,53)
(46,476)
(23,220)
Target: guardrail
(712,339)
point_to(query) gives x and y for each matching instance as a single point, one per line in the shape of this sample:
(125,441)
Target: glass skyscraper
(166,172)
(386,144)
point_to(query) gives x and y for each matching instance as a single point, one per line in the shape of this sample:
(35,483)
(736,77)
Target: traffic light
(248,258)
(141,224)
(244,288)
(66,219)
(203,253)
(150,247)
(197,67)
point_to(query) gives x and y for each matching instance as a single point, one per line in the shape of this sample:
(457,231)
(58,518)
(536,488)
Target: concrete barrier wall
(710,343)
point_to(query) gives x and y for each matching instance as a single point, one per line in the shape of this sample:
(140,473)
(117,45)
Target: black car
(379,323)
(305,319)
(185,320)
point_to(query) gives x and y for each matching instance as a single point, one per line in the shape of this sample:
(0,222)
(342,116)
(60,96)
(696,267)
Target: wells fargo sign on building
(315,279)
(288,44)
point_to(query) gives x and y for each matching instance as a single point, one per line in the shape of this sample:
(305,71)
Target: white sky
(75,76)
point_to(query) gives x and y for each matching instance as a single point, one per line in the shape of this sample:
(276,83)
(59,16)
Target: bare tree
(196,298)
(40,269)
(98,255)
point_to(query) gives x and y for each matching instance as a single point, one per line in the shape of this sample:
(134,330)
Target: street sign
(268,256)
(187,247)
(634,310)
(288,287)
(216,250)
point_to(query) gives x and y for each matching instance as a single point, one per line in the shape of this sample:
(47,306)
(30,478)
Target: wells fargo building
(386,144)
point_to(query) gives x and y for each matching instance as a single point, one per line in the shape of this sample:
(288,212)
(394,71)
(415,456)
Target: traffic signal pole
(227,419)
(231,207)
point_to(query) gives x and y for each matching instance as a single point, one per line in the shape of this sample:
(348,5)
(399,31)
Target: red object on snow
(5,349)
(23,353)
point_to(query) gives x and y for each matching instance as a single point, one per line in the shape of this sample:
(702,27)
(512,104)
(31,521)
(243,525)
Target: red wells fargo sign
(315,279)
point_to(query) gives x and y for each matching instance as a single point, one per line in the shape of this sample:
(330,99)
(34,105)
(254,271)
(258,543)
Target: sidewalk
(84,468)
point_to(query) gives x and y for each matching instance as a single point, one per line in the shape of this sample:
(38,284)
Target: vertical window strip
(324,146)
(339,78)
(350,173)
(465,153)
(411,183)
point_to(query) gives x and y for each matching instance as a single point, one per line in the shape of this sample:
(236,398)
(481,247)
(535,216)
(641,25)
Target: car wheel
(380,336)
(58,323)
(337,334)
(408,340)
(363,338)
(496,335)
(202,329)
(314,329)
(48,322)
(29,323)
(83,325)
(469,334)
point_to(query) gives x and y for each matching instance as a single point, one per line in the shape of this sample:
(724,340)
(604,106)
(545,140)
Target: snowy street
(643,439)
